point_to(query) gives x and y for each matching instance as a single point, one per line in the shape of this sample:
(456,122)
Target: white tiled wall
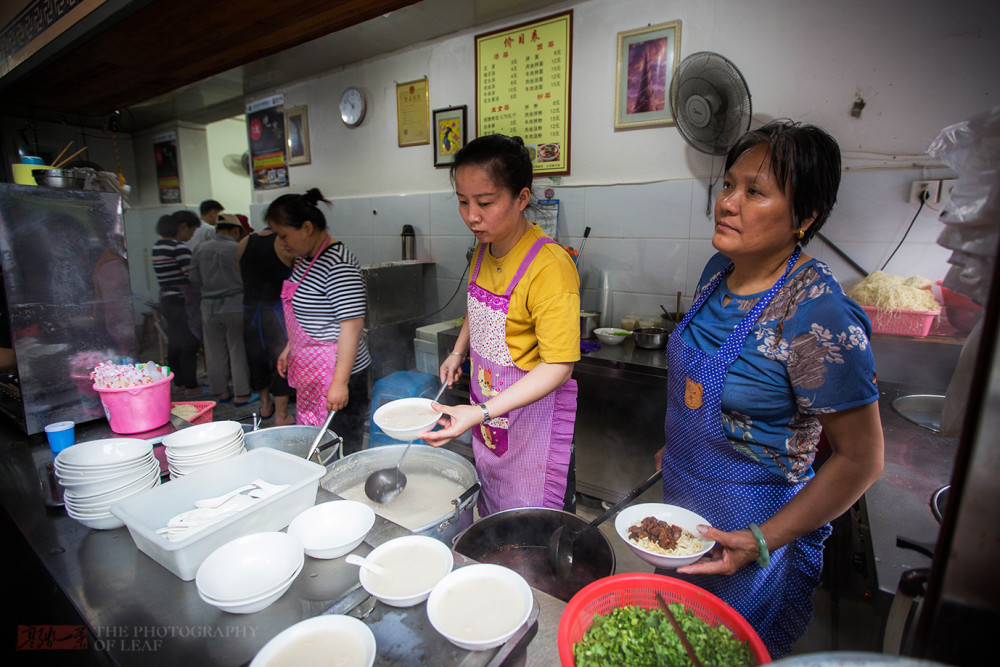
(652,239)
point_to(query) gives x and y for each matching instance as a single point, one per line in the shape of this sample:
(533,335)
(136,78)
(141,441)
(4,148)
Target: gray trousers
(225,356)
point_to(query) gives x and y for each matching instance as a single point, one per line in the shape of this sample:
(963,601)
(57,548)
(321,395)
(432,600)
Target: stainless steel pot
(355,468)
(519,538)
(59,178)
(588,322)
(295,440)
(650,338)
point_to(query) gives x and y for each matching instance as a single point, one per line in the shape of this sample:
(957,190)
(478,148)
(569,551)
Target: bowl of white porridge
(406,418)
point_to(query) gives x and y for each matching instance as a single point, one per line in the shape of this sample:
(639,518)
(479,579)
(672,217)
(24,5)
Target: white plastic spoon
(354,559)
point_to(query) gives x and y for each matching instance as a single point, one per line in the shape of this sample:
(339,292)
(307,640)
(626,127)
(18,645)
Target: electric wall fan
(710,102)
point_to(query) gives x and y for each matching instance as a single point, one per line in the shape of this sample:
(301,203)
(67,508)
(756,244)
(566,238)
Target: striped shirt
(171,262)
(333,291)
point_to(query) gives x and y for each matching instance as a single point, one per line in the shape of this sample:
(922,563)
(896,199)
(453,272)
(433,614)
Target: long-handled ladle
(386,483)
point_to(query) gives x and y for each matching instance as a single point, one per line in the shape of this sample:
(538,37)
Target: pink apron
(522,457)
(311,362)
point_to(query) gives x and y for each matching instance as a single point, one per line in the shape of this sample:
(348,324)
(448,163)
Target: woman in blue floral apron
(770,355)
(522,335)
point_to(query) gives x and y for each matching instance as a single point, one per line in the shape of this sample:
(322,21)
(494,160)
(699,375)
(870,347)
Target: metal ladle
(561,541)
(386,483)
(319,436)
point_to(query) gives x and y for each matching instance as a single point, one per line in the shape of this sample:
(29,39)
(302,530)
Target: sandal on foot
(253,397)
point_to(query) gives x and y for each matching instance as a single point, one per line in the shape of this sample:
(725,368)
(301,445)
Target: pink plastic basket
(916,323)
(205,409)
(137,409)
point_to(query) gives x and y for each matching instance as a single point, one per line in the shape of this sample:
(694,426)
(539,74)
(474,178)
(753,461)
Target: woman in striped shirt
(326,359)
(171,263)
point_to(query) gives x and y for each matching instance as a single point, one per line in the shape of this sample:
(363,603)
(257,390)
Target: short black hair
(806,160)
(294,210)
(188,218)
(167,226)
(210,205)
(504,158)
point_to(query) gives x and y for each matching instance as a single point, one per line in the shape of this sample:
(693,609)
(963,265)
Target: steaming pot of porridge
(442,487)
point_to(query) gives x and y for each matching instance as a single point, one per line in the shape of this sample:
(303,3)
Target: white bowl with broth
(340,641)
(411,567)
(678,516)
(406,418)
(479,607)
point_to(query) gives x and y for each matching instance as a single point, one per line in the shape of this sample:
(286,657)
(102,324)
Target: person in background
(172,262)
(245,223)
(215,272)
(326,359)
(522,333)
(209,212)
(264,267)
(771,355)
(188,225)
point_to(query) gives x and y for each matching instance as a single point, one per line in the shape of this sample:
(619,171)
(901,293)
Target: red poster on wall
(266,135)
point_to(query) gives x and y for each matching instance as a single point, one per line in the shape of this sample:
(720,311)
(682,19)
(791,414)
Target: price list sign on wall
(523,88)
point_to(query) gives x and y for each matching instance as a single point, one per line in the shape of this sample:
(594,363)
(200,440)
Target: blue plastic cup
(61,435)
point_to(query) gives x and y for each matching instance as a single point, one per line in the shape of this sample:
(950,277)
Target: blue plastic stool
(401,384)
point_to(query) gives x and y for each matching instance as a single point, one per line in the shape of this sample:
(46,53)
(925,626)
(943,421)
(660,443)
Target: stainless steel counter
(917,463)
(139,613)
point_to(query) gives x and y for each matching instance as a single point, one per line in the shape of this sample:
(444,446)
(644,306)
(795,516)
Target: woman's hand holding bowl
(731,552)
(456,420)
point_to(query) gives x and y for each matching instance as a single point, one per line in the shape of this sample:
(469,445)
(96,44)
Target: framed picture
(297,135)
(450,130)
(647,59)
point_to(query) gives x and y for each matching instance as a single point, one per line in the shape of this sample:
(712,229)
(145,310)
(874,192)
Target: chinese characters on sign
(523,88)
(266,134)
(412,114)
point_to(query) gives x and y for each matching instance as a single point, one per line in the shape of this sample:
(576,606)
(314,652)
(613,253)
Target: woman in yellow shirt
(522,334)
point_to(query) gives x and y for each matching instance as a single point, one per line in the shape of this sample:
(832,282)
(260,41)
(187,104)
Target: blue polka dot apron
(704,473)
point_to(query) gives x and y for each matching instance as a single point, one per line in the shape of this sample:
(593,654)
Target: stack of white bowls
(249,573)
(100,473)
(201,445)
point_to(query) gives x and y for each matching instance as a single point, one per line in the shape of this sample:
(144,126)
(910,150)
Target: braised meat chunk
(663,533)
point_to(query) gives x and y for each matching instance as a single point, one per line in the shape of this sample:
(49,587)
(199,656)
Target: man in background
(210,210)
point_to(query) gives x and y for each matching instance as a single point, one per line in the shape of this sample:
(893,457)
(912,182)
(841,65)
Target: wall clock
(352,107)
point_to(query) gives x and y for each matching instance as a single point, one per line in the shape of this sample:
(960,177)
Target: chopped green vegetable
(639,637)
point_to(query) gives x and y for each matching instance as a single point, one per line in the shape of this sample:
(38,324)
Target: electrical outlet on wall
(927,191)
(947,185)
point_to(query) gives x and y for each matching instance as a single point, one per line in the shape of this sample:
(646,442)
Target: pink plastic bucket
(137,409)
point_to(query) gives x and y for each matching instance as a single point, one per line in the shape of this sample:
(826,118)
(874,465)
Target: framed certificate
(412,113)
(523,88)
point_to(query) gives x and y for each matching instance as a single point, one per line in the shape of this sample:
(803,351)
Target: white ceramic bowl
(478,607)
(331,634)
(413,567)
(678,516)
(102,454)
(330,530)
(402,420)
(96,487)
(257,603)
(98,522)
(203,438)
(249,566)
(607,335)
(110,497)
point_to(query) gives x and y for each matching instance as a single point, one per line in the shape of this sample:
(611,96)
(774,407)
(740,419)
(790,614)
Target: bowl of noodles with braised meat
(663,535)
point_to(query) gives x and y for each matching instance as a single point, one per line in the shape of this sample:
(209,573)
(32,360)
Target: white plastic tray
(146,512)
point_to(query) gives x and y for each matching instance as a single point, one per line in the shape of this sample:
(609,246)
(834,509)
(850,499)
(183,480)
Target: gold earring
(799,234)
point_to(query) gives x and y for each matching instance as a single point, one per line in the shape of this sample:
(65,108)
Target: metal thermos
(409,242)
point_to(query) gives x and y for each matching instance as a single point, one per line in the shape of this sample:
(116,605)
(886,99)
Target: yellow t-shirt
(543,321)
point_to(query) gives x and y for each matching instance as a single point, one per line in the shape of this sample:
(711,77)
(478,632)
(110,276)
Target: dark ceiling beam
(169,44)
